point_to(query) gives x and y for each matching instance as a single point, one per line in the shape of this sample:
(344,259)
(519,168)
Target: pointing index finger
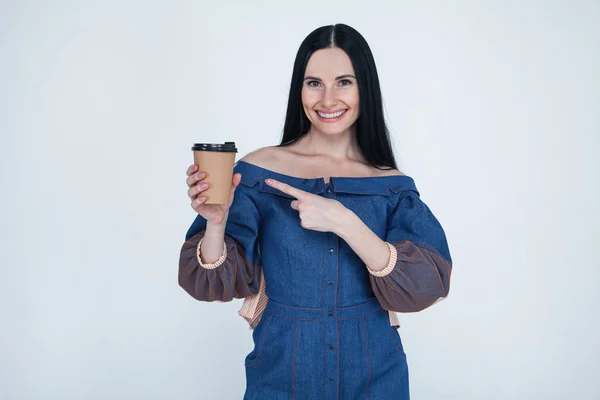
(287,189)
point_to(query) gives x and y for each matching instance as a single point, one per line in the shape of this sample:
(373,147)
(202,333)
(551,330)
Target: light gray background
(494,110)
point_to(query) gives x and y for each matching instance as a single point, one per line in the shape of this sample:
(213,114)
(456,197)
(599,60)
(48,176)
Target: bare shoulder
(264,157)
(389,172)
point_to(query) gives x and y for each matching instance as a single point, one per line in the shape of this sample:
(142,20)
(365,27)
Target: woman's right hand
(213,213)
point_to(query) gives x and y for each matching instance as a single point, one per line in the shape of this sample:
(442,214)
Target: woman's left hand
(316,213)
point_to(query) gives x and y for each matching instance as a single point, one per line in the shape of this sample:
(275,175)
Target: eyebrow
(314,78)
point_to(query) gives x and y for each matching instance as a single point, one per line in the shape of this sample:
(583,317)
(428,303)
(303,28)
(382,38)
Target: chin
(332,130)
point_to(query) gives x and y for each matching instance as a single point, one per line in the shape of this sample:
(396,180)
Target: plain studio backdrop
(494,111)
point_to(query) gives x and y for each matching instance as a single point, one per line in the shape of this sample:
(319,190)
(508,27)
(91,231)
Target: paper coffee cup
(217,161)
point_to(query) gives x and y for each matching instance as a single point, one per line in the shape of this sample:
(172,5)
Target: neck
(341,146)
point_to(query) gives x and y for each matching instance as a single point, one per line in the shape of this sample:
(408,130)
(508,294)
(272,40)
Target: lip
(330,120)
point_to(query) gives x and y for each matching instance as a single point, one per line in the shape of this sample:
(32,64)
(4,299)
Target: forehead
(329,63)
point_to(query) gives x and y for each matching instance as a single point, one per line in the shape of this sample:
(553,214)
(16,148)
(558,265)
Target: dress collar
(371,185)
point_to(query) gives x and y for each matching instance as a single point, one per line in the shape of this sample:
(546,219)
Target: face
(330,92)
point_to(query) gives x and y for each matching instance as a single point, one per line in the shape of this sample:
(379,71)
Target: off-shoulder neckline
(376,178)
(367,185)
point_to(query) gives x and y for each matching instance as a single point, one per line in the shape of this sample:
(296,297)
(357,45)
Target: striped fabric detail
(391,263)
(217,263)
(254,305)
(394,319)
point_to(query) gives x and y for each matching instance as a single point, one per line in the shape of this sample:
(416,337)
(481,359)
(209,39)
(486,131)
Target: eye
(313,83)
(345,82)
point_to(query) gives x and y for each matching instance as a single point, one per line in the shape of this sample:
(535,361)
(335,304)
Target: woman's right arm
(220,258)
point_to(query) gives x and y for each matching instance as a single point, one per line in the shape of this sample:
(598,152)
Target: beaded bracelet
(214,265)
(391,263)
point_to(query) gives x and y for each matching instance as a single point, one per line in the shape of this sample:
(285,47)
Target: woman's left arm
(409,270)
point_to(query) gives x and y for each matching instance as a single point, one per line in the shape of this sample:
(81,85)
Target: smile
(331,116)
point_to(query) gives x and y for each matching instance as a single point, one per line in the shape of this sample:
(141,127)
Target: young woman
(323,238)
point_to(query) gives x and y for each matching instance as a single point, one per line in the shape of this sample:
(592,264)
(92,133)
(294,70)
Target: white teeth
(334,115)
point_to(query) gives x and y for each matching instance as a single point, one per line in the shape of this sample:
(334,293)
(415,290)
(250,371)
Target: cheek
(350,97)
(353,101)
(354,98)
(308,99)
(308,103)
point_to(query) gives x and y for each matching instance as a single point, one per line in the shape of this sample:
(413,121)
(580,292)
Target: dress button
(330,283)
(331,378)
(331,250)
(330,313)
(328,190)
(331,347)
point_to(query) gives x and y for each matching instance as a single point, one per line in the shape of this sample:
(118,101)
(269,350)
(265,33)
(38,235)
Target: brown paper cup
(217,161)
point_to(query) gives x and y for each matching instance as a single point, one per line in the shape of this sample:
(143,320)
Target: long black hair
(371,132)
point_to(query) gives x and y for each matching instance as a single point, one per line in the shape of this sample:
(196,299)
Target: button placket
(329,304)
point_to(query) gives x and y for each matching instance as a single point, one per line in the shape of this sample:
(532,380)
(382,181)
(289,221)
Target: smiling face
(330,92)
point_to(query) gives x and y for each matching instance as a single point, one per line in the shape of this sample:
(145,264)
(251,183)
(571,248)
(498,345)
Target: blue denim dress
(325,332)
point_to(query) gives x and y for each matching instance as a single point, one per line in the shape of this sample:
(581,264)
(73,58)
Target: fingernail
(269,181)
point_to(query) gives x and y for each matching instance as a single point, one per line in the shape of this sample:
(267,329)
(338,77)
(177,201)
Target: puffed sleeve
(238,275)
(418,274)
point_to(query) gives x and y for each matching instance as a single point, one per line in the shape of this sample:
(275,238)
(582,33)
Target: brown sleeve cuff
(235,277)
(419,278)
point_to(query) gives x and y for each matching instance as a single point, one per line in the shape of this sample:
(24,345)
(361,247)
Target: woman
(323,237)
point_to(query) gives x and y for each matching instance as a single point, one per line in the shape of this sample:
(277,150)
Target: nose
(329,100)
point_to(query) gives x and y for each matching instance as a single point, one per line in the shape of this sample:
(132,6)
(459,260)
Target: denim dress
(322,322)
